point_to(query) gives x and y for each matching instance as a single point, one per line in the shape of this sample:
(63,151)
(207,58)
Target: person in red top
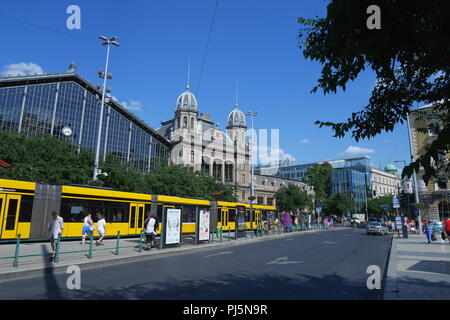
(447,228)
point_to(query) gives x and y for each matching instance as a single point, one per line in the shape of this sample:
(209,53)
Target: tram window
(74,210)
(247,215)
(11,217)
(232,215)
(264,215)
(159,211)
(188,213)
(141,217)
(133,217)
(26,208)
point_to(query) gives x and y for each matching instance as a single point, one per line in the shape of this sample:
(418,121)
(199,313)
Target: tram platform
(33,258)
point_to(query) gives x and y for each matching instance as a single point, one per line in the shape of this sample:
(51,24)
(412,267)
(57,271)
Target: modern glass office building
(68,107)
(350,176)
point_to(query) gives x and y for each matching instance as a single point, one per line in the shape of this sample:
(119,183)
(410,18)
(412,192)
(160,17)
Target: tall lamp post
(106,42)
(416,185)
(252,184)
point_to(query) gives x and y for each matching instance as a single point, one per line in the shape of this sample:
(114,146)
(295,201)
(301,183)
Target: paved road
(327,265)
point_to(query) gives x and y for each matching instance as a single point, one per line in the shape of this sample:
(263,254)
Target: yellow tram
(25,208)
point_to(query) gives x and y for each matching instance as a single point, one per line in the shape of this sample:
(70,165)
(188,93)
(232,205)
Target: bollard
(91,242)
(211,241)
(16,255)
(161,239)
(141,241)
(117,244)
(58,244)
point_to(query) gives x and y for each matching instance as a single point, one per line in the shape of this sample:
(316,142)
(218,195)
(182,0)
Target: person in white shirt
(149,228)
(55,229)
(101,229)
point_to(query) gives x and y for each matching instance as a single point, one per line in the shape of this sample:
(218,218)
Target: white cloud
(268,155)
(305,141)
(133,106)
(357,151)
(21,69)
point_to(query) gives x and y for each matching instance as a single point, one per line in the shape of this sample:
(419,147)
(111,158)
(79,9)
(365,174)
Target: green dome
(390,167)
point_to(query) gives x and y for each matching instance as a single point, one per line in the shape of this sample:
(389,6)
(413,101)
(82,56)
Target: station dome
(391,168)
(187,102)
(237,119)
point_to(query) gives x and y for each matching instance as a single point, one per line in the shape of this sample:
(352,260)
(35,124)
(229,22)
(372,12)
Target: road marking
(283,260)
(329,242)
(219,254)
(289,240)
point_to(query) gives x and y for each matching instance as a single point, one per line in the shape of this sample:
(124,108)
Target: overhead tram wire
(32,24)
(207,47)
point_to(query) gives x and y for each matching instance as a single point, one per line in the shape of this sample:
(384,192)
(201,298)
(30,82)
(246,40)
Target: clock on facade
(66,131)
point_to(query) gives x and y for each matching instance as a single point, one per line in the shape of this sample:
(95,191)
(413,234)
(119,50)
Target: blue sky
(253,42)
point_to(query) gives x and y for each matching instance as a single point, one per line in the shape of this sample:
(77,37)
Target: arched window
(192,123)
(192,156)
(185,122)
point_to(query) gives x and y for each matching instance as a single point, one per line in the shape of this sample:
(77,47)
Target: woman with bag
(88,227)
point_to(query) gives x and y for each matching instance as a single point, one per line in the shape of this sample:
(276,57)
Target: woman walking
(88,227)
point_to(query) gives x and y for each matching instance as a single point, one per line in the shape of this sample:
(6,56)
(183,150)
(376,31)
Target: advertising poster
(203,225)
(241,221)
(173,229)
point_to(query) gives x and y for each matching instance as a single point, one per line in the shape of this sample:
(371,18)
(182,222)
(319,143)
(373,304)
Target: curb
(391,286)
(89,264)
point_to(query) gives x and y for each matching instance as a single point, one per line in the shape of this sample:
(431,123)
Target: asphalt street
(326,265)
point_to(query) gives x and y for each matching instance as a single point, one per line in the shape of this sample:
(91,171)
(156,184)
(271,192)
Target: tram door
(136,223)
(257,219)
(224,218)
(9,215)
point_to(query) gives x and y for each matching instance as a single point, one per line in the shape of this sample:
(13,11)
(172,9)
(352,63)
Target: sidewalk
(104,255)
(418,270)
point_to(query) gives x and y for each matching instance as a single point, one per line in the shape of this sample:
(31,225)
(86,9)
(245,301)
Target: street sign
(395,203)
(416,212)
(398,223)
(319,209)
(409,187)
(386,207)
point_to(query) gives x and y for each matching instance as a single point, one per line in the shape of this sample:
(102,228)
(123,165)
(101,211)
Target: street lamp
(252,114)
(105,75)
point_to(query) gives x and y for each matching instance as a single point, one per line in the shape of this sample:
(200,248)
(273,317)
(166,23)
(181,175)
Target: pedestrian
(447,228)
(101,229)
(428,232)
(149,228)
(55,230)
(88,227)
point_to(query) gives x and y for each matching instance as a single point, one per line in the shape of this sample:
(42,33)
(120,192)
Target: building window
(192,157)
(192,123)
(185,122)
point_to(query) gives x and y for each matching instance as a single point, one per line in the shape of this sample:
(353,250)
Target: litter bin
(219,232)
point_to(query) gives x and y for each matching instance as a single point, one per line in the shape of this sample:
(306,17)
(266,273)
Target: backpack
(156,223)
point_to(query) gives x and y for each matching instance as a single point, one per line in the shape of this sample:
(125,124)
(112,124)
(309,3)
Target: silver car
(376,228)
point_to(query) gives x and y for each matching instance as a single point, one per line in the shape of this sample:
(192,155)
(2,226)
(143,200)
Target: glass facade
(46,104)
(351,177)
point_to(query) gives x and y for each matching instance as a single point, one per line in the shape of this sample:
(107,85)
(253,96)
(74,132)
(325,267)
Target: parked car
(376,228)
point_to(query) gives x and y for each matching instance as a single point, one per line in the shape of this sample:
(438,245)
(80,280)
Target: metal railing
(221,233)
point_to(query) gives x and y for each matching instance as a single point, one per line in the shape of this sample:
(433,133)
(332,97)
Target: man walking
(149,226)
(55,230)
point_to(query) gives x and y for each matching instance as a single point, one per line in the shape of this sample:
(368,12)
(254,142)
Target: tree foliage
(292,198)
(409,55)
(338,204)
(44,159)
(319,176)
(48,160)
(375,206)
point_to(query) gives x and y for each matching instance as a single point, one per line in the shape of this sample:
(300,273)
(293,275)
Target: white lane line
(289,240)
(219,254)
(329,242)
(283,260)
